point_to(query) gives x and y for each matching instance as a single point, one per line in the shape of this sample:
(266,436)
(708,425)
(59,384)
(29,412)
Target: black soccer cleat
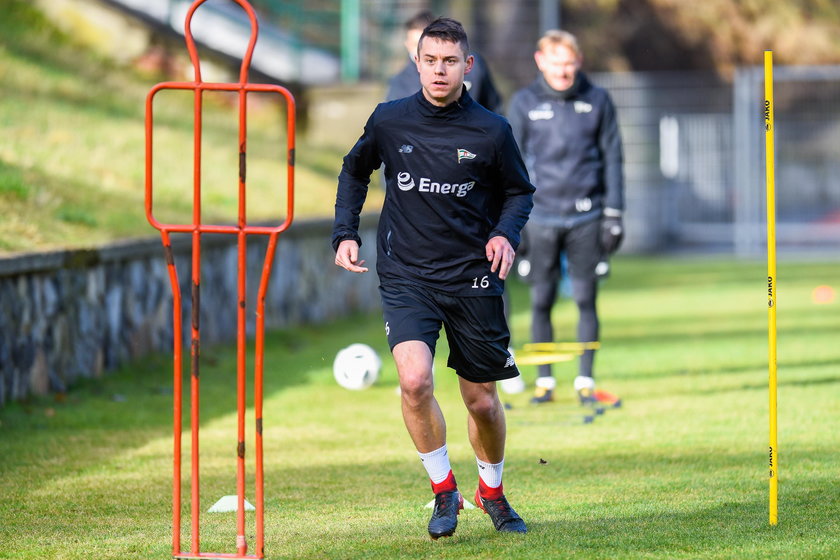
(445,514)
(504,518)
(586,396)
(542,395)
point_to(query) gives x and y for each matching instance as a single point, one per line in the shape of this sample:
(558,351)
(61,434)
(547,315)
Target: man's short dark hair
(419,21)
(446,29)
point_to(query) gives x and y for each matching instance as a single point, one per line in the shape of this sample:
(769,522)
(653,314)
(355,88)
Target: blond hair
(556,37)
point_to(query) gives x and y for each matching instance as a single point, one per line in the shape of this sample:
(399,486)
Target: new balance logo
(406,149)
(510,362)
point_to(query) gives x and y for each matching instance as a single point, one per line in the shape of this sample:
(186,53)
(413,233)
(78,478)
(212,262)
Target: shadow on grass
(135,402)
(655,515)
(723,325)
(594,502)
(674,502)
(632,273)
(752,367)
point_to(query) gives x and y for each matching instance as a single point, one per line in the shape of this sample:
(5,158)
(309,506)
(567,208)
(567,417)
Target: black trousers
(582,247)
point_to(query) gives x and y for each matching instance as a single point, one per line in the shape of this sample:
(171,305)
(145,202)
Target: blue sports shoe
(504,518)
(445,514)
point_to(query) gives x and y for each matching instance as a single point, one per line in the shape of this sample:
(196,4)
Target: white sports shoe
(585,389)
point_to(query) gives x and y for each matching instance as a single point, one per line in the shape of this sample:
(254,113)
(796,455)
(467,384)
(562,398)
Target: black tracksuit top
(454,179)
(572,147)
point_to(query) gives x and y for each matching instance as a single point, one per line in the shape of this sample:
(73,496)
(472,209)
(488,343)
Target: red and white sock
(437,466)
(489,493)
(490,478)
(448,484)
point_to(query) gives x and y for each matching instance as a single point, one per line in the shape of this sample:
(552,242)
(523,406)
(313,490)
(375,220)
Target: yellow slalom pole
(770,174)
(560,346)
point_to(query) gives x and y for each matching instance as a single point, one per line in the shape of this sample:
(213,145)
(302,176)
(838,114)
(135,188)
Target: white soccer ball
(356,367)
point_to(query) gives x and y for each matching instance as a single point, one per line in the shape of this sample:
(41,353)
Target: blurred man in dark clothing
(567,130)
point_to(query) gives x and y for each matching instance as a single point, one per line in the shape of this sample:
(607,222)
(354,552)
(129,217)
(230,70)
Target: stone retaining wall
(69,315)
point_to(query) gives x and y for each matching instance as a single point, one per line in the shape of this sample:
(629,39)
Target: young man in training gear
(406,82)
(567,130)
(457,197)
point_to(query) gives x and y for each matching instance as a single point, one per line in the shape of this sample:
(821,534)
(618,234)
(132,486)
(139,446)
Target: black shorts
(475,327)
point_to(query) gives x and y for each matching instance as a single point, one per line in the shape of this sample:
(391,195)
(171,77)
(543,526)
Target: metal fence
(807,116)
(675,129)
(694,152)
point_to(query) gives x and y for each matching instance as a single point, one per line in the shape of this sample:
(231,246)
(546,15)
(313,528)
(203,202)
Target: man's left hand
(500,253)
(612,233)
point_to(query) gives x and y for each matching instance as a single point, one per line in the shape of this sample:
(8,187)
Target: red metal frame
(196,228)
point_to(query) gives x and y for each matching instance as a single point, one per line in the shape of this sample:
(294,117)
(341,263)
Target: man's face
(442,67)
(412,37)
(559,64)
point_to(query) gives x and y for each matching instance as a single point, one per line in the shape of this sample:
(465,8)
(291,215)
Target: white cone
(467,504)
(228,503)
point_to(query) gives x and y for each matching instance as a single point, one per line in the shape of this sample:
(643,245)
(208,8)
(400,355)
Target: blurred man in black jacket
(567,130)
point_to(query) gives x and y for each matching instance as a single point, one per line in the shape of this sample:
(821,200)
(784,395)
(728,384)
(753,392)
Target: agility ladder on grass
(242,230)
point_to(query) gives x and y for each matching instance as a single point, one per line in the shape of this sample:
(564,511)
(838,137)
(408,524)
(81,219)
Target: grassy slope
(72,148)
(678,472)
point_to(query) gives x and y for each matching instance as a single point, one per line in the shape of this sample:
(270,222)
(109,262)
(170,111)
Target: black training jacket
(572,147)
(454,179)
(479,83)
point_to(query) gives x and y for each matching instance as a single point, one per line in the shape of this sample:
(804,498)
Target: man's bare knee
(483,404)
(416,387)
(414,365)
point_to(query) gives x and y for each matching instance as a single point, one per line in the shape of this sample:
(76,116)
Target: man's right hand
(347,256)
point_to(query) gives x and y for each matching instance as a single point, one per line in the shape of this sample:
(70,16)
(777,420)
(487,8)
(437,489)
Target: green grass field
(680,471)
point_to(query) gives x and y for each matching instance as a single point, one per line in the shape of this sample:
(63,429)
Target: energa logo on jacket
(405,182)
